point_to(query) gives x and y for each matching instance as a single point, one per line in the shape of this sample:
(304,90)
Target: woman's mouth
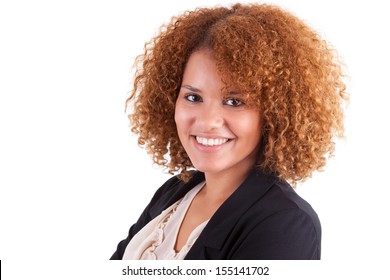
(211,141)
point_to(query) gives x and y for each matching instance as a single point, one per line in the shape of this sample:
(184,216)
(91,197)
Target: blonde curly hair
(284,68)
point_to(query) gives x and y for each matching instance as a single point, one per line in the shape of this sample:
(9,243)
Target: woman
(240,101)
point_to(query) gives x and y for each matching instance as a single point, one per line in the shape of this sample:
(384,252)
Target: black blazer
(264,219)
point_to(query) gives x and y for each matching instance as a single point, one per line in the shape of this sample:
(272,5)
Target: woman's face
(217,130)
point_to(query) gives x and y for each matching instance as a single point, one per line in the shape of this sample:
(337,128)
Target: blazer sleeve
(145,218)
(286,235)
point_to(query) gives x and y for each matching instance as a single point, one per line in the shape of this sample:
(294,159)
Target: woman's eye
(193,98)
(234,102)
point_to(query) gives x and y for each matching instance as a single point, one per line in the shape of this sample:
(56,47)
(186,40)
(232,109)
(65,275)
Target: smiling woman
(243,99)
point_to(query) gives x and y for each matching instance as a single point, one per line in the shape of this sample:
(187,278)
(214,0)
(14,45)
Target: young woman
(241,101)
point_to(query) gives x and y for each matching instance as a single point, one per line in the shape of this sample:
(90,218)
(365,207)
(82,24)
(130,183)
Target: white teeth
(211,141)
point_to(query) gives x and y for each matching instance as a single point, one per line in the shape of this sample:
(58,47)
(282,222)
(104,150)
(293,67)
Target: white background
(72,178)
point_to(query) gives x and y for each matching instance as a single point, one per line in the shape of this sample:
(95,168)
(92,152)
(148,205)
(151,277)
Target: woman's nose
(211,117)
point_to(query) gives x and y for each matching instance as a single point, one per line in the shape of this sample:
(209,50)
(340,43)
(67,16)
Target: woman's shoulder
(288,198)
(279,201)
(271,194)
(283,205)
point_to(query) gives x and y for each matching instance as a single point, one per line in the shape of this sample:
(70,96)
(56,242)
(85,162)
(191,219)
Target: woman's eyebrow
(194,89)
(191,88)
(234,92)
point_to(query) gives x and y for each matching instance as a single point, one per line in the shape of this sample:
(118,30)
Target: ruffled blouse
(156,240)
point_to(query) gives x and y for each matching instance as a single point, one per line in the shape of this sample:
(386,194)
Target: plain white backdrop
(72,178)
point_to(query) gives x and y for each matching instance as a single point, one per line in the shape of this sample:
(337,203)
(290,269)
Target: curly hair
(281,65)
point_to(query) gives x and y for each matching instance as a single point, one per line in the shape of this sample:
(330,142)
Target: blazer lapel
(221,223)
(176,191)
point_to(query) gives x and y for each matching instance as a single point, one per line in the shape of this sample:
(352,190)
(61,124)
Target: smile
(211,141)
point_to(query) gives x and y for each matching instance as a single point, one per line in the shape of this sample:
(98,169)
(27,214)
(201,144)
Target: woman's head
(219,132)
(281,68)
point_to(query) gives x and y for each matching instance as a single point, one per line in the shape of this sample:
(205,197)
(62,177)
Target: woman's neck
(219,186)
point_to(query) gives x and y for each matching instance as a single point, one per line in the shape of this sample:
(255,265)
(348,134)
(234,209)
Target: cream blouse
(156,240)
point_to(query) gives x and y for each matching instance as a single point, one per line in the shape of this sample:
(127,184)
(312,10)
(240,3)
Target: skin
(205,110)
